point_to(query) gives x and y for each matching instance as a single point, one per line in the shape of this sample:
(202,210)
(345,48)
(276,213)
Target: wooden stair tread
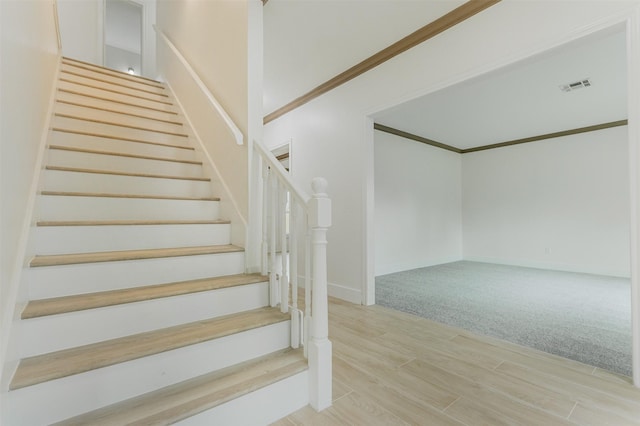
(114,123)
(115,111)
(182,400)
(97,68)
(117,173)
(122,138)
(118,92)
(80,302)
(101,98)
(121,154)
(121,255)
(55,365)
(103,80)
(137,196)
(130,222)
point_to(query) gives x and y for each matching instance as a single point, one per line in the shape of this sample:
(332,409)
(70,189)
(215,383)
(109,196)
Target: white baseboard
(348,294)
(407,266)
(552,266)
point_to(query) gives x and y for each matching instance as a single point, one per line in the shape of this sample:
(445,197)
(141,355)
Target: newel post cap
(320,204)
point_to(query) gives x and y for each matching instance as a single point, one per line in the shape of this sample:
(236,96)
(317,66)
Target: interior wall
(121,60)
(213,37)
(418,207)
(560,204)
(28,63)
(333,137)
(82,29)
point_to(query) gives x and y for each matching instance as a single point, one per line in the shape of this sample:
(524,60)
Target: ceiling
(308,42)
(519,101)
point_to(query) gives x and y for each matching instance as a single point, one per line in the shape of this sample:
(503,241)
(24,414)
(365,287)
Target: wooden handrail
(231,126)
(56,20)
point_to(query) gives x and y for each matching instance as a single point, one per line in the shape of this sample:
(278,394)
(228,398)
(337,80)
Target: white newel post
(319,345)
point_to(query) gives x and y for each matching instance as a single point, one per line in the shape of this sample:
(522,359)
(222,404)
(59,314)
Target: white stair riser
(69,396)
(96,114)
(113,78)
(57,332)
(62,158)
(57,180)
(116,106)
(117,131)
(55,207)
(54,281)
(261,407)
(122,146)
(138,92)
(103,94)
(88,239)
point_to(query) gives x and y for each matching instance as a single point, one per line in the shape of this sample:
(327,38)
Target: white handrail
(283,175)
(233,128)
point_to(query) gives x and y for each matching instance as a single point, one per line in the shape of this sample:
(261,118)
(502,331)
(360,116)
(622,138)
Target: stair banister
(231,126)
(309,219)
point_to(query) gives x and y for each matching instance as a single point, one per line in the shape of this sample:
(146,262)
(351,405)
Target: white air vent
(575,85)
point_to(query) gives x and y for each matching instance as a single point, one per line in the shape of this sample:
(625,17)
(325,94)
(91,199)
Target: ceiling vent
(576,85)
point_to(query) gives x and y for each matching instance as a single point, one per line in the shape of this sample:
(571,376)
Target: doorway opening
(123,48)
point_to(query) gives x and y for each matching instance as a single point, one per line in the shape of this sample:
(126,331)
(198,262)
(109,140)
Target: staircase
(139,311)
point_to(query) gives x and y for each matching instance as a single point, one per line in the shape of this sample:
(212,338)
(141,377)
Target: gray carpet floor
(577,316)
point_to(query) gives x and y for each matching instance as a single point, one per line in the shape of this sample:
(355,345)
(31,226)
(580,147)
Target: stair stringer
(16,296)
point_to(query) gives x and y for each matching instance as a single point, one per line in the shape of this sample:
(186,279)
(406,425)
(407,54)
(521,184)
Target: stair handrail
(282,201)
(56,20)
(231,126)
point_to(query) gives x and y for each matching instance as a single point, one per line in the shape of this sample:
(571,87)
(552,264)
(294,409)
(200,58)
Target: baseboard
(399,267)
(338,291)
(348,294)
(582,269)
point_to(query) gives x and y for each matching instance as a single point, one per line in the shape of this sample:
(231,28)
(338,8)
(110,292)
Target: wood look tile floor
(391,368)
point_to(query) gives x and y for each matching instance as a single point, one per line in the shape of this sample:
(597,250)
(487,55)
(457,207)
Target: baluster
(307,284)
(265,220)
(319,344)
(273,208)
(293,271)
(284,277)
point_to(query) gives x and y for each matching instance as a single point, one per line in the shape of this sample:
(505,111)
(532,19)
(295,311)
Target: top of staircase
(108,71)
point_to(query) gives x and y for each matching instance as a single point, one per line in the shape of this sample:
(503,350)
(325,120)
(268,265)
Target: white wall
(213,37)
(82,29)
(333,137)
(148,39)
(28,65)
(122,60)
(418,216)
(560,204)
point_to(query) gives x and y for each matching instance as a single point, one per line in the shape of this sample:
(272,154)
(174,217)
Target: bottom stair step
(182,400)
